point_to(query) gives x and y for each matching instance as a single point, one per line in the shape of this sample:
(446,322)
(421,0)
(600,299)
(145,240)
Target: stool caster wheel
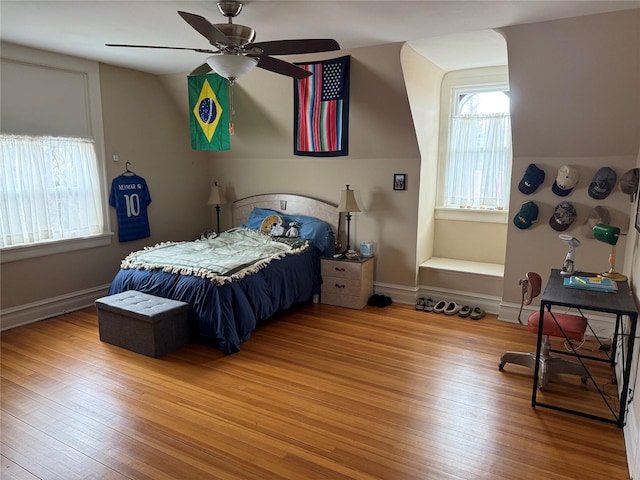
(500,366)
(583,380)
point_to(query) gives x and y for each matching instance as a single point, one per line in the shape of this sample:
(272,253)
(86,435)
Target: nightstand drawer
(341,269)
(339,286)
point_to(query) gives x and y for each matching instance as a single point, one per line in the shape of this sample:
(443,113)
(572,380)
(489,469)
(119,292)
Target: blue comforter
(228,313)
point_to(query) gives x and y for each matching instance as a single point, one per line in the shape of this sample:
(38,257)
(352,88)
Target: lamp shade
(216,197)
(606,233)
(348,202)
(231,67)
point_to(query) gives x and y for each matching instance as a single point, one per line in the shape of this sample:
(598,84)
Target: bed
(231,289)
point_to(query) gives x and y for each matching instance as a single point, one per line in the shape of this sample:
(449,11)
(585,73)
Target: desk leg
(536,370)
(626,373)
(614,341)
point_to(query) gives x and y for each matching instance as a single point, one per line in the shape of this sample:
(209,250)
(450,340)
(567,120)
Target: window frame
(91,73)
(469,81)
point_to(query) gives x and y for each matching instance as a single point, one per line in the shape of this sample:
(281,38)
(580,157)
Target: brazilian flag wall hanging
(208,112)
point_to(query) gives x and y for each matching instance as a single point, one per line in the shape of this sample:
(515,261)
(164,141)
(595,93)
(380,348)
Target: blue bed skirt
(229,313)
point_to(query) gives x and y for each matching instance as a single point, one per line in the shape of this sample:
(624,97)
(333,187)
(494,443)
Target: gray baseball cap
(629,183)
(603,182)
(597,215)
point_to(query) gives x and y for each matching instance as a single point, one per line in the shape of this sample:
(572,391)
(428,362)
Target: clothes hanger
(127,171)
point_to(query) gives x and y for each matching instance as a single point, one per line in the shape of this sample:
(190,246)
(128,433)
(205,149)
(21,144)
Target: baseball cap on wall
(629,183)
(567,178)
(603,182)
(527,215)
(563,216)
(533,177)
(597,215)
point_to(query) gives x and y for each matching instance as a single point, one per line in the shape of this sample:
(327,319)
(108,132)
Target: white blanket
(222,259)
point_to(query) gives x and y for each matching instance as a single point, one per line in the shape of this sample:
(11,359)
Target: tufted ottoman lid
(141,305)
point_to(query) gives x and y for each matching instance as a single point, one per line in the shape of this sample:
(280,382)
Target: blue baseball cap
(533,177)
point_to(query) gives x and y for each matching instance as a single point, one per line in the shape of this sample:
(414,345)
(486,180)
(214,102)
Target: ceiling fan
(235,52)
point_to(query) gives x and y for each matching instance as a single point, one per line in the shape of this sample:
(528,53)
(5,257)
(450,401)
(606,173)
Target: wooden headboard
(287,204)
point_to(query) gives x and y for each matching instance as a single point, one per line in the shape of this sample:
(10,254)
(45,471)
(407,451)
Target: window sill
(12,254)
(468,215)
(465,266)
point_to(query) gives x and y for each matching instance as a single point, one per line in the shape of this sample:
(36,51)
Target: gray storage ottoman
(143,323)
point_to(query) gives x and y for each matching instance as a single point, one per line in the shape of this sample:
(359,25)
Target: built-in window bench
(466,282)
(466,266)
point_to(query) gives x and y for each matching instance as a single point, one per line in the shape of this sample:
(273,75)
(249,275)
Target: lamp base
(613,275)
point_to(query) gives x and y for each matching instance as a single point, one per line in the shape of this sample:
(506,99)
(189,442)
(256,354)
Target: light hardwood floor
(321,392)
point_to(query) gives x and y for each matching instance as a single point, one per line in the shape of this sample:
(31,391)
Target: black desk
(621,304)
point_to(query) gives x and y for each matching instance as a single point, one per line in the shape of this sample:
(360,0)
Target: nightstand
(347,283)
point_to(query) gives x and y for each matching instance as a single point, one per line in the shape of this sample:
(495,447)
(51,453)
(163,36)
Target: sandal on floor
(477,313)
(420,303)
(452,308)
(440,306)
(429,303)
(465,311)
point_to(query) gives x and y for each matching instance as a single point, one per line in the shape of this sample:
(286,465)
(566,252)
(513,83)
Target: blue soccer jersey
(130,197)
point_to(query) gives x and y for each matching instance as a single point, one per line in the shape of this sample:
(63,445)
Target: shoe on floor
(452,308)
(373,300)
(420,303)
(477,313)
(465,311)
(384,301)
(440,306)
(429,304)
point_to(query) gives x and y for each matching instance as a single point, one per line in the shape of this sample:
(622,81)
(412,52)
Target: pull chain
(231,110)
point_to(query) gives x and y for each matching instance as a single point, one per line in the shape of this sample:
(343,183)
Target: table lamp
(610,235)
(348,204)
(216,197)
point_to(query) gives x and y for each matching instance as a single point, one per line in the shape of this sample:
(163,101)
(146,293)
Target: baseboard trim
(632,442)
(33,312)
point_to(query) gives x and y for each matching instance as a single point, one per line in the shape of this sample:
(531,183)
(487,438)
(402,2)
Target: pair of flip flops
(425,304)
(474,313)
(446,307)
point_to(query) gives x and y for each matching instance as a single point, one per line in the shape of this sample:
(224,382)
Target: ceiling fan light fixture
(232,67)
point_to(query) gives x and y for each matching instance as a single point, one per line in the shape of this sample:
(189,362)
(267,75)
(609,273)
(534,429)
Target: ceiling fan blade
(199,50)
(283,68)
(292,47)
(205,28)
(201,70)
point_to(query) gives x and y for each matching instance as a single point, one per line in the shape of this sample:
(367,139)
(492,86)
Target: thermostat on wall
(367,249)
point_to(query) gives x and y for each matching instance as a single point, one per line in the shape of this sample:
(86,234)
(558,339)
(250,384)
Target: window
(53,196)
(476,168)
(49,190)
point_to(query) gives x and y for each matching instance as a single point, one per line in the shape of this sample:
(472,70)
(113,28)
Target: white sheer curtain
(479,162)
(49,189)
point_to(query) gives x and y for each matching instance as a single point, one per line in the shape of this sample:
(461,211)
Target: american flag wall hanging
(321,109)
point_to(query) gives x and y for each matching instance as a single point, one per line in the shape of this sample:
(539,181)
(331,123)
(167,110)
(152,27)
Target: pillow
(257,216)
(272,225)
(316,231)
(311,228)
